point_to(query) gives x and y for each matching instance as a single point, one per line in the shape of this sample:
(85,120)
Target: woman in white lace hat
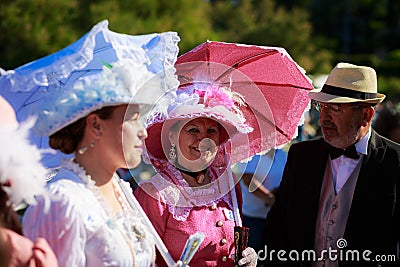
(98,119)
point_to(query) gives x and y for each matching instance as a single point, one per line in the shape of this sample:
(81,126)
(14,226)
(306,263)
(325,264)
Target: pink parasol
(274,87)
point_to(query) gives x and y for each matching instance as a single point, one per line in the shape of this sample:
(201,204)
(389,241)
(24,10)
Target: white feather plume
(22,175)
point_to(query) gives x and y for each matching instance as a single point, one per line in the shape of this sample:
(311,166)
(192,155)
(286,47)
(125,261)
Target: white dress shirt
(343,166)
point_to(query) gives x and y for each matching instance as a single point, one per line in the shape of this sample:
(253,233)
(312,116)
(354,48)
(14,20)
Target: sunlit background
(317,34)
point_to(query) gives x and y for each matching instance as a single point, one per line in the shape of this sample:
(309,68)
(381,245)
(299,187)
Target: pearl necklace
(134,227)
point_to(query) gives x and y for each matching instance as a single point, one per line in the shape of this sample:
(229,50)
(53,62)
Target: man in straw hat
(335,185)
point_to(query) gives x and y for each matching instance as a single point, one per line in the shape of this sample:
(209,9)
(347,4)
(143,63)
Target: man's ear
(93,125)
(368,115)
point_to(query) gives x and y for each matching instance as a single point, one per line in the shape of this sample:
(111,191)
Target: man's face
(341,123)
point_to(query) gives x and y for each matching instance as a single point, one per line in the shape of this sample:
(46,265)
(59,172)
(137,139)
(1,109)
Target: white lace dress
(79,228)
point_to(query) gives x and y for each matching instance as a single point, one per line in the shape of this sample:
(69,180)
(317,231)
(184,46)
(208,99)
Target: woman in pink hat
(21,178)
(191,192)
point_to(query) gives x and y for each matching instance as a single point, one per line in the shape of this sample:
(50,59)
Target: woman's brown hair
(8,217)
(67,139)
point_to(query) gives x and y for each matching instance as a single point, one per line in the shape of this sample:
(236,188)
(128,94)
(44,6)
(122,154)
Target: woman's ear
(171,137)
(93,125)
(174,131)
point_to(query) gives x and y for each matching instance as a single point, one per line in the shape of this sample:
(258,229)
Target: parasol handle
(231,184)
(136,206)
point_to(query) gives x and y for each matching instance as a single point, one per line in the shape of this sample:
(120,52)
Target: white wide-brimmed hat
(127,81)
(348,83)
(103,68)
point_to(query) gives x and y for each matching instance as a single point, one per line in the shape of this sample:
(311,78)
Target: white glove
(249,258)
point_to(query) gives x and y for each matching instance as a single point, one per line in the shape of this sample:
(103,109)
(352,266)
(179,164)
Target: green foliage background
(317,34)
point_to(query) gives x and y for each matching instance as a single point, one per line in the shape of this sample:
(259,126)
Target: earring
(172,153)
(82,150)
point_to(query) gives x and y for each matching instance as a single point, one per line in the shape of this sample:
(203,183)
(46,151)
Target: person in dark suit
(339,200)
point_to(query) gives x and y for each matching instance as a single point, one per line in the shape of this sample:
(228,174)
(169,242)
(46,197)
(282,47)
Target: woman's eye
(193,130)
(135,117)
(212,131)
(132,118)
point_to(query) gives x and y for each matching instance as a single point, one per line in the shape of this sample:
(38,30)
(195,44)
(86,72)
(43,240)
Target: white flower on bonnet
(200,99)
(209,99)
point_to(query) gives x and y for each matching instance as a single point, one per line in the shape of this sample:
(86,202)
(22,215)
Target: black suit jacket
(373,223)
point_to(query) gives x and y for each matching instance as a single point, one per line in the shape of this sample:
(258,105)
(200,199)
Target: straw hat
(348,83)
(194,101)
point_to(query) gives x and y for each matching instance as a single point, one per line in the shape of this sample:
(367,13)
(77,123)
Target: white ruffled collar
(181,198)
(73,166)
(135,229)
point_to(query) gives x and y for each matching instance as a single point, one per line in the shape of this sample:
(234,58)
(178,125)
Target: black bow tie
(349,152)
